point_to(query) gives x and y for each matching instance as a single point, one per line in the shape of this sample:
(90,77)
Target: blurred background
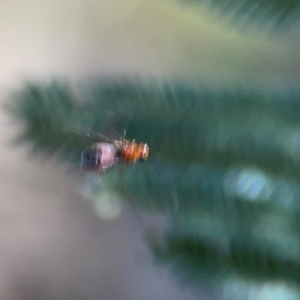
(213,213)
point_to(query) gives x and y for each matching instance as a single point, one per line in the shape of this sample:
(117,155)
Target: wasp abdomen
(98,157)
(131,152)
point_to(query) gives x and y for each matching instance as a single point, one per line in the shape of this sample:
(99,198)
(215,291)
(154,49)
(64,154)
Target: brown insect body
(104,155)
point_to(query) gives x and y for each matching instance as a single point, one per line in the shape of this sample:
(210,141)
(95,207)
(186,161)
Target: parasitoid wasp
(108,152)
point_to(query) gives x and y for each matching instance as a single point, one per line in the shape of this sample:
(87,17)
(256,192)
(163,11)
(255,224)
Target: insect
(106,153)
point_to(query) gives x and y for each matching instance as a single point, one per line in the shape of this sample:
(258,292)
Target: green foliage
(229,174)
(280,14)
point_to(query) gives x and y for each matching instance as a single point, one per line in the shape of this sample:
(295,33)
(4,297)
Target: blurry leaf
(228,176)
(277,13)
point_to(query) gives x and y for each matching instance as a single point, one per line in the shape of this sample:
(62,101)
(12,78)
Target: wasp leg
(174,196)
(127,195)
(125,130)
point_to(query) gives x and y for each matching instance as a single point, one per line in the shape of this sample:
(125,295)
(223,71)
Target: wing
(115,126)
(110,128)
(98,157)
(90,134)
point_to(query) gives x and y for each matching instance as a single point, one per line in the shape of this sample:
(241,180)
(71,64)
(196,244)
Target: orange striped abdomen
(131,152)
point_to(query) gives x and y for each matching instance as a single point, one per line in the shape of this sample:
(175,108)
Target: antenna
(175,125)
